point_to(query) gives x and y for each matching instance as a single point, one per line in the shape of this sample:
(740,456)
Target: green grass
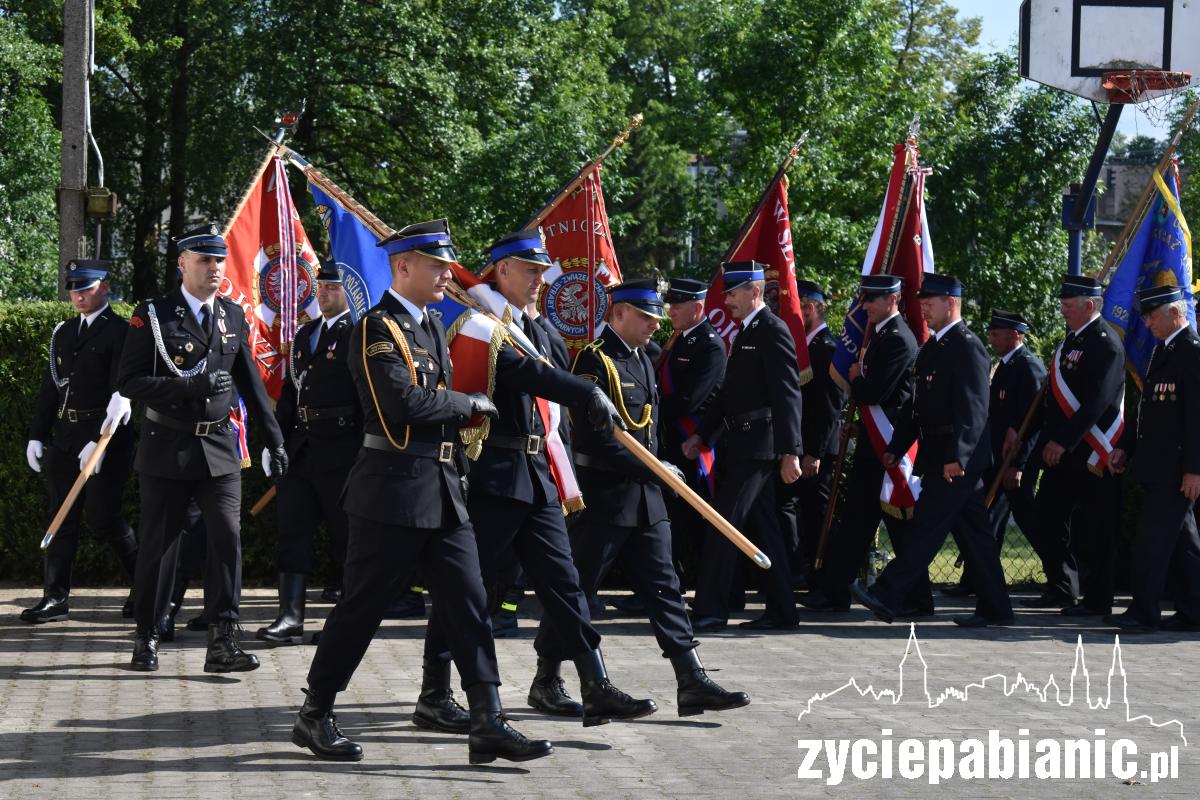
(1020,562)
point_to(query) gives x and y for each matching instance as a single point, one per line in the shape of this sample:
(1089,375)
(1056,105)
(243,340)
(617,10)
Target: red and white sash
(900,490)
(1101,441)
(474,341)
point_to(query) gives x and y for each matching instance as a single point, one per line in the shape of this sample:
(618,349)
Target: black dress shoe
(914,612)
(698,692)
(491,736)
(224,653)
(602,701)
(127,606)
(316,728)
(1081,610)
(48,610)
(331,594)
(980,621)
(958,590)
(548,693)
(288,627)
(817,600)
(410,605)
(166,625)
(437,710)
(504,624)
(198,623)
(1128,623)
(145,651)
(708,624)
(766,623)
(1180,623)
(1048,599)
(867,597)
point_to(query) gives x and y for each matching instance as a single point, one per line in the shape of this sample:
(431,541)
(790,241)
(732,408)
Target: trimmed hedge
(24,507)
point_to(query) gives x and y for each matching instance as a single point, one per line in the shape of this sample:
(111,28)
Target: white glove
(33,454)
(118,413)
(266,461)
(86,453)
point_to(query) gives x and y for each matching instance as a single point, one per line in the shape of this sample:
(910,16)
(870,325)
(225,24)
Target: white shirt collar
(628,346)
(329,323)
(416,311)
(939,334)
(90,318)
(813,333)
(1167,340)
(194,303)
(752,315)
(1004,359)
(518,315)
(886,321)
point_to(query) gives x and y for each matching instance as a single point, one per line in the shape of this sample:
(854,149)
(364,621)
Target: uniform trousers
(100,506)
(536,535)
(644,556)
(308,495)
(802,514)
(380,560)
(1167,544)
(164,518)
(944,505)
(1077,515)
(746,498)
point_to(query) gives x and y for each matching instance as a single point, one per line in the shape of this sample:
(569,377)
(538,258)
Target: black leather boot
(145,650)
(437,710)
(48,610)
(288,627)
(316,728)
(548,693)
(166,625)
(491,735)
(224,654)
(55,593)
(699,693)
(603,702)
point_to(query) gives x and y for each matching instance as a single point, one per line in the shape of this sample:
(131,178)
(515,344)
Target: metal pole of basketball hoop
(1079,203)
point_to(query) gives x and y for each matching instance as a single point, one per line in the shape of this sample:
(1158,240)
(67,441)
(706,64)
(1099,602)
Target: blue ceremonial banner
(363,266)
(1160,253)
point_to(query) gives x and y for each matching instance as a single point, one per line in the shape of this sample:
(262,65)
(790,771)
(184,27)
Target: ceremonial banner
(899,246)
(768,240)
(1160,253)
(580,243)
(274,285)
(363,266)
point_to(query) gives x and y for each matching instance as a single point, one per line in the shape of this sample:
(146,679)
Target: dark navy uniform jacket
(318,409)
(887,364)
(692,368)
(823,399)
(1015,385)
(1163,437)
(148,374)
(757,411)
(86,367)
(948,409)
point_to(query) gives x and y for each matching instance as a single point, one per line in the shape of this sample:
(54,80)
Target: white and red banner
(580,243)
(271,272)
(767,240)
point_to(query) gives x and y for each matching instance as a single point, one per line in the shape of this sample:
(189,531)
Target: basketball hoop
(1154,89)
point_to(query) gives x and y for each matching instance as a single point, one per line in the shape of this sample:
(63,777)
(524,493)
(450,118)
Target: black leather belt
(308,414)
(202,428)
(744,421)
(442,451)
(591,462)
(530,445)
(80,414)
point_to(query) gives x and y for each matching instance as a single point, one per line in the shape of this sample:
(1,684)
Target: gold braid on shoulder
(614,386)
(402,344)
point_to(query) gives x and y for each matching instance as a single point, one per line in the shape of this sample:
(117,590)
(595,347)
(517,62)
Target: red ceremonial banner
(579,241)
(255,273)
(768,240)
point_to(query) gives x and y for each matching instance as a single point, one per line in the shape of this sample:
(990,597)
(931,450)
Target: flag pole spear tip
(634,122)
(914,129)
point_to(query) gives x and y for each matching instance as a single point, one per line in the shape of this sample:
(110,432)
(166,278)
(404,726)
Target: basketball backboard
(1070,44)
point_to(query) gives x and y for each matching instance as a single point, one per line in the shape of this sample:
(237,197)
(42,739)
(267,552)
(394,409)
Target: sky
(1000,32)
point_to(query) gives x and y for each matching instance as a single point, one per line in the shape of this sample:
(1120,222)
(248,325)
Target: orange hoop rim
(1128,85)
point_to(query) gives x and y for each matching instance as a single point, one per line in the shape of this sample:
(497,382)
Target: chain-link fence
(1021,564)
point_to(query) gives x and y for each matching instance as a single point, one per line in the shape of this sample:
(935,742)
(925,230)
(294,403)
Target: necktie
(427,326)
(527,324)
(83,325)
(206,320)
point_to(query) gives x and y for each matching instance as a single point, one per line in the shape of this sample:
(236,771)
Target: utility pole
(72,186)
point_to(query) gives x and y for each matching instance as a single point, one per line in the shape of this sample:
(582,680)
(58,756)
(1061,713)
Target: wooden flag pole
(77,487)
(691,498)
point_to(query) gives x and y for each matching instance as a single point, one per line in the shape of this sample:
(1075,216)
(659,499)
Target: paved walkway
(77,724)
